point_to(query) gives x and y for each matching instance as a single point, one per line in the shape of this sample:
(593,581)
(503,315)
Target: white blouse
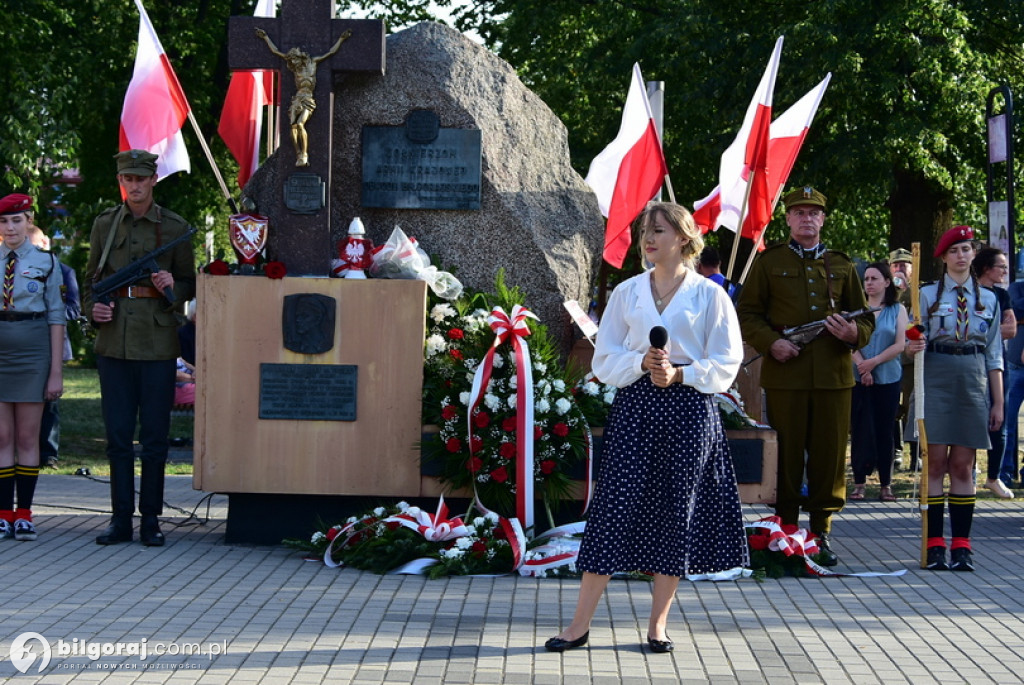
(703,333)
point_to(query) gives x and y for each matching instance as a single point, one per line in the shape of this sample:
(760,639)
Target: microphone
(659,337)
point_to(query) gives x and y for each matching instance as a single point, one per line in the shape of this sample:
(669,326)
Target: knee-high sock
(26,477)
(7,493)
(936,515)
(961,515)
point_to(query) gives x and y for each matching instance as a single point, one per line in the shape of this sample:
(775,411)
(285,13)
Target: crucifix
(301,235)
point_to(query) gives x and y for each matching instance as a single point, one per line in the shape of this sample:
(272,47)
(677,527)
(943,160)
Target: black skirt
(666,499)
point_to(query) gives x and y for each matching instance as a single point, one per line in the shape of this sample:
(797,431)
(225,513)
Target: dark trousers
(874,408)
(134,393)
(813,427)
(49,431)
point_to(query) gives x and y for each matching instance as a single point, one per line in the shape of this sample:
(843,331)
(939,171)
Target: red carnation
(476,443)
(275,269)
(218,267)
(481,419)
(456,354)
(499,474)
(560,429)
(547,466)
(538,432)
(474,464)
(498,533)
(449,413)
(758,542)
(453,445)
(479,548)
(509,424)
(507,450)
(456,334)
(332,533)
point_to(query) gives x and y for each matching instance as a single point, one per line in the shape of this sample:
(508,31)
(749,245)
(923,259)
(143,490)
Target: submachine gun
(805,333)
(102,291)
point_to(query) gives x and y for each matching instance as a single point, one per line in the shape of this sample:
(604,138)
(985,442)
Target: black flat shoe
(557,644)
(660,646)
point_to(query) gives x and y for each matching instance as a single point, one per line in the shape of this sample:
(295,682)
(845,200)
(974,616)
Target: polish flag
(241,119)
(629,172)
(786,137)
(746,157)
(155,107)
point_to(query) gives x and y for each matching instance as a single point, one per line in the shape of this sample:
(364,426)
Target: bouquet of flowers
(779,550)
(458,339)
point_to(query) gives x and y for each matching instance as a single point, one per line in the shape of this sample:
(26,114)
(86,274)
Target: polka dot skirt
(666,499)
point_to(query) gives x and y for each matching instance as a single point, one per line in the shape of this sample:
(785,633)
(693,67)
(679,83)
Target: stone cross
(301,236)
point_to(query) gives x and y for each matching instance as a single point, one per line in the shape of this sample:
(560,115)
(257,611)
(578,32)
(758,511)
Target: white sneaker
(5,529)
(999,489)
(24,530)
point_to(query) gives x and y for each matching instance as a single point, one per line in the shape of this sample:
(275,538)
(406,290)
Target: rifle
(805,333)
(140,268)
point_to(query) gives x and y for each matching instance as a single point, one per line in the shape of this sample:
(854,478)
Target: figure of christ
(302,104)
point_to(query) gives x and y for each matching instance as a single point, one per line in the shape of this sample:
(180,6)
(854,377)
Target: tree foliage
(898,144)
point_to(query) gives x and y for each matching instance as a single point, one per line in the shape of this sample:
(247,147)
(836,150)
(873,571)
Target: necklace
(658,299)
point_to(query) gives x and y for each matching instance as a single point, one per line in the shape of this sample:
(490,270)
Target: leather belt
(21,316)
(135,292)
(955,349)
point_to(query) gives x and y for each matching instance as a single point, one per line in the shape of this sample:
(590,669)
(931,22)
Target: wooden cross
(301,238)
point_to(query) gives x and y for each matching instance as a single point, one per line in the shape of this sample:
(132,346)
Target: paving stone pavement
(263,614)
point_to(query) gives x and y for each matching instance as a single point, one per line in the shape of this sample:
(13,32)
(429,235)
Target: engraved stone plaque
(421,166)
(312,392)
(304,193)
(307,323)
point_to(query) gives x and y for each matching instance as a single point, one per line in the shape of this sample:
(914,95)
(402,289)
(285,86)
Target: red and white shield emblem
(248,236)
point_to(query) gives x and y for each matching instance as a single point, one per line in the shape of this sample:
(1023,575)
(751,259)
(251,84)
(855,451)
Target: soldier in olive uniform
(137,342)
(807,388)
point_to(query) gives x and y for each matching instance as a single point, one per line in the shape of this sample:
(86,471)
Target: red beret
(15,204)
(957,234)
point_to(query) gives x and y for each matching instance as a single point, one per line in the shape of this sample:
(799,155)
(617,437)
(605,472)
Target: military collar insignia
(815,252)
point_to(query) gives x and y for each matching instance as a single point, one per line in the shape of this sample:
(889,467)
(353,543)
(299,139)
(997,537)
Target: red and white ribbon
(511,327)
(561,550)
(434,528)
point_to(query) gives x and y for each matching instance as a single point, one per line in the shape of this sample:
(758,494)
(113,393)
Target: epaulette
(840,253)
(108,210)
(775,247)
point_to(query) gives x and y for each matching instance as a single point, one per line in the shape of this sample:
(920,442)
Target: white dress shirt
(704,335)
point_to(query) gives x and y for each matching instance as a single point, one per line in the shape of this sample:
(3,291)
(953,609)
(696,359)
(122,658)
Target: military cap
(136,162)
(957,234)
(15,203)
(900,254)
(803,196)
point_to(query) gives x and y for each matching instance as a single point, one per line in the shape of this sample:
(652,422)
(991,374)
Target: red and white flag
(629,172)
(155,107)
(786,137)
(747,157)
(241,119)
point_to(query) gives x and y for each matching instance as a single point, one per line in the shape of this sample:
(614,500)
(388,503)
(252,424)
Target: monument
(536,217)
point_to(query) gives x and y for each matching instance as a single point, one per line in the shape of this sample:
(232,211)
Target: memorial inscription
(420,165)
(310,392)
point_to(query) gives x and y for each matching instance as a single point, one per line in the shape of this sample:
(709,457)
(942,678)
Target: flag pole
(739,225)
(922,436)
(213,164)
(759,242)
(668,186)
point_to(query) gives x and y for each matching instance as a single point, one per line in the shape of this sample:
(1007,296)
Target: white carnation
(542,405)
(540,367)
(492,402)
(402,506)
(609,396)
(513,382)
(351,519)
(491,516)
(440,311)
(317,537)
(465,542)
(379,511)
(464,398)
(435,344)
(562,405)
(479,522)
(559,385)
(591,388)
(499,361)
(513,402)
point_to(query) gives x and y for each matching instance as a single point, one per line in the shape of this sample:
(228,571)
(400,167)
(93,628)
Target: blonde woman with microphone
(666,501)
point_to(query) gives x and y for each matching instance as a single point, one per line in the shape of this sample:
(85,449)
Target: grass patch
(83,439)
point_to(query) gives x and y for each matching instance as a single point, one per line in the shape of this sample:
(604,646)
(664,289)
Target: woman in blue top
(876,397)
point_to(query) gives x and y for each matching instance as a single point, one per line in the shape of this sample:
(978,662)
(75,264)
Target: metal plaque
(305,193)
(308,392)
(404,167)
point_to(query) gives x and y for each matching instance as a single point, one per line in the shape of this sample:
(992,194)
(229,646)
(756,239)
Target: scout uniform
(964,344)
(30,304)
(808,397)
(137,350)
